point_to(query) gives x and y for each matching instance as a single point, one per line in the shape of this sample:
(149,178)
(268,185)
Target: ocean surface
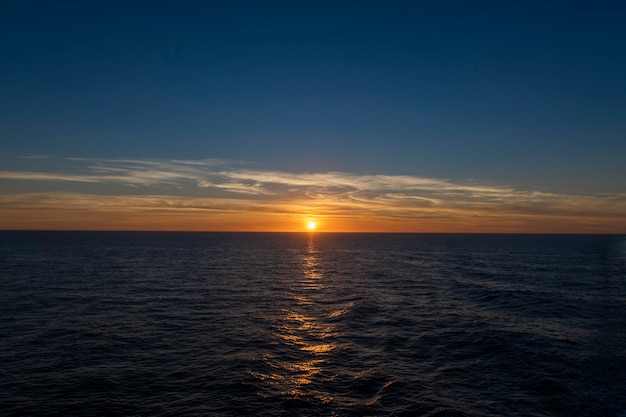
(255,324)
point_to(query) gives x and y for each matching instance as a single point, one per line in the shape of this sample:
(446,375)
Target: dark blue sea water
(245,324)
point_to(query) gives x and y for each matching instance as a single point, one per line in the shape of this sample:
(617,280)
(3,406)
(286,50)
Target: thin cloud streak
(231,189)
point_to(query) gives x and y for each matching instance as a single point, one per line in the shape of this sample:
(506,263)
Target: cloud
(224,186)
(43,176)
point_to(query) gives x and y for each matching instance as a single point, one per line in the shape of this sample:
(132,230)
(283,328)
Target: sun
(311,225)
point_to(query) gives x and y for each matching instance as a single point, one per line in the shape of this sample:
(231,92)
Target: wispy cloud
(232,187)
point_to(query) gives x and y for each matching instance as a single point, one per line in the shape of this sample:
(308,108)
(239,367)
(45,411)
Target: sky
(395,116)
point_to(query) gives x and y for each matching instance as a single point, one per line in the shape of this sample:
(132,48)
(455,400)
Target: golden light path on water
(304,336)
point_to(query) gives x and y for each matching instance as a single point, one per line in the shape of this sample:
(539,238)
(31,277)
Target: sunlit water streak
(160,324)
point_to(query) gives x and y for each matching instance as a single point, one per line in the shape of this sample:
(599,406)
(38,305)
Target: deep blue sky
(530,92)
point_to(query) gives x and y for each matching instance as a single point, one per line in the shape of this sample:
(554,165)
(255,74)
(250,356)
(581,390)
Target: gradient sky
(492,116)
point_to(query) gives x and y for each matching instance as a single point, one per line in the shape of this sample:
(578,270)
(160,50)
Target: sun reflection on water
(303,334)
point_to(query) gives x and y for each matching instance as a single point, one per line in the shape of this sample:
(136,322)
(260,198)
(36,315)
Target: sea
(312,324)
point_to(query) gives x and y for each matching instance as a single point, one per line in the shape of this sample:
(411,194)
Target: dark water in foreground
(219,324)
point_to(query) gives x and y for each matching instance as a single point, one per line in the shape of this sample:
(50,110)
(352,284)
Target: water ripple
(131,324)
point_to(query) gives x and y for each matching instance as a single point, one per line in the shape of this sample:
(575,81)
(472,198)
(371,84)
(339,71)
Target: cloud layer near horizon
(79,193)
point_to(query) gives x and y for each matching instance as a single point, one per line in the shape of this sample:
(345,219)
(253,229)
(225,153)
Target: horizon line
(317,232)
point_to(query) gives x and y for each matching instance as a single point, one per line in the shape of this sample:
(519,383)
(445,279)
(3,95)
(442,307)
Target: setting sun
(311,225)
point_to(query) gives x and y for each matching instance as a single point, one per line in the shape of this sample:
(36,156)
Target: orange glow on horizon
(191,220)
(164,198)
(76,212)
